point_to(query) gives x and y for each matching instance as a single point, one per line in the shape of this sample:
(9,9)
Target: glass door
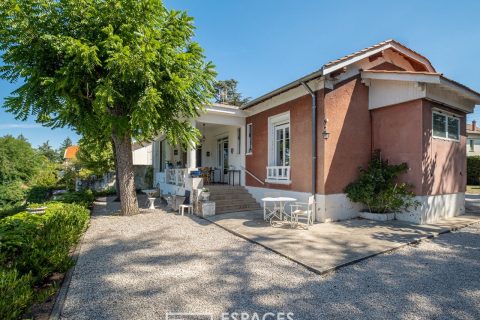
(222,157)
(282,145)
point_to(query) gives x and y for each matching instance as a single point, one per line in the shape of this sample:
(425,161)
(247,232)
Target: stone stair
(232,199)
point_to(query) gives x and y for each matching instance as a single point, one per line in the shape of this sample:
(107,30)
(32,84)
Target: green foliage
(83,198)
(46,150)
(102,66)
(34,246)
(47,176)
(16,293)
(38,194)
(107,192)
(18,160)
(63,146)
(12,194)
(96,156)
(473,170)
(226,92)
(378,189)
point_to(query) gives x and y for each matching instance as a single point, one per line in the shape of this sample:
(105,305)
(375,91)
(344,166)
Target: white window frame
(274,121)
(249,139)
(446,116)
(471,145)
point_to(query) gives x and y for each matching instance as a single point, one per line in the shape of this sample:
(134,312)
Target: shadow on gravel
(152,272)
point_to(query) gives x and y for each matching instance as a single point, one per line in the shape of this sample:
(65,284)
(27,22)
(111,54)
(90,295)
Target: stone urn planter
(36,210)
(205,194)
(377,216)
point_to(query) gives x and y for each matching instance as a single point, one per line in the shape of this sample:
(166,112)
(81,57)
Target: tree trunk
(125,178)
(117,184)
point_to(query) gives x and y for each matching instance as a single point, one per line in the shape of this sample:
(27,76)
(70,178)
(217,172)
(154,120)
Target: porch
(219,155)
(325,247)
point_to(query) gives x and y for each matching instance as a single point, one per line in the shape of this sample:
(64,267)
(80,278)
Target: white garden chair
(304,211)
(269,208)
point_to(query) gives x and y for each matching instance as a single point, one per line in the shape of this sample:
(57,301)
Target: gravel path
(142,266)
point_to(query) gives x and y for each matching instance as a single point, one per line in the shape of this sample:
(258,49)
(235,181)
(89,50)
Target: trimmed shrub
(473,170)
(84,198)
(16,293)
(38,194)
(378,189)
(40,243)
(12,194)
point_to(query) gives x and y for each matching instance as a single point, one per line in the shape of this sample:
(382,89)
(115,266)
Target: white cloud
(19,126)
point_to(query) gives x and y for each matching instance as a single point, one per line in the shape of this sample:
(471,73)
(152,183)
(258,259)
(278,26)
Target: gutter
(314,137)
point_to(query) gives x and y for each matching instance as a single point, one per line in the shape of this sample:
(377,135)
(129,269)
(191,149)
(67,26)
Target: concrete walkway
(327,246)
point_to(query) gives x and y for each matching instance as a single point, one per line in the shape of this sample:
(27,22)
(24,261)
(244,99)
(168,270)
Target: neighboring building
(70,154)
(385,97)
(142,165)
(473,139)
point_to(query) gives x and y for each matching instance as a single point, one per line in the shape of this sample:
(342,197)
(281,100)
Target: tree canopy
(113,68)
(226,92)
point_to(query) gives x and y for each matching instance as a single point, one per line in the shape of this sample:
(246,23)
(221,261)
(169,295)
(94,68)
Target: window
(282,144)
(249,147)
(472,145)
(445,126)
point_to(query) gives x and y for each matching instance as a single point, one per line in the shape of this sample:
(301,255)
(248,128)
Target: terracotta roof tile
(70,152)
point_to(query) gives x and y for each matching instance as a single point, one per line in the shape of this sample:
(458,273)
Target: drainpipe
(314,137)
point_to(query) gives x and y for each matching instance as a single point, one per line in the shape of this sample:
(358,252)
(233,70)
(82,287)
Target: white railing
(279,173)
(176,177)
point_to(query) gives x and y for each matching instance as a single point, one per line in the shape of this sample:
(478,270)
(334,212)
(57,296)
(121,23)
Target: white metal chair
(182,208)
(269,209)
(304,211)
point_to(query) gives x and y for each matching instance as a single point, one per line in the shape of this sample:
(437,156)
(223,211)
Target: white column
(192,154)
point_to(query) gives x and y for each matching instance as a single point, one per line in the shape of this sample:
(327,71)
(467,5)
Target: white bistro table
(278,209)
(151,197)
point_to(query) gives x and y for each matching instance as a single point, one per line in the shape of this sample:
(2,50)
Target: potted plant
(378,189)
(36,208)
(205,194)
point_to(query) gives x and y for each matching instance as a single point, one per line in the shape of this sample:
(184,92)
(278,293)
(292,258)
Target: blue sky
(265,44)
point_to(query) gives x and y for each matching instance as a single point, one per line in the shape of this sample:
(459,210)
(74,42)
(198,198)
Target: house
(142,164)
(473,139)
(311,135)
(70,154)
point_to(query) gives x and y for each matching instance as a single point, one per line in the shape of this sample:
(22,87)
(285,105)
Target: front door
(223,158)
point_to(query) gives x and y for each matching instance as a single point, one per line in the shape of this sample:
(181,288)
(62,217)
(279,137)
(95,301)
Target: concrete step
(235,208)
(218,197)
(233,202)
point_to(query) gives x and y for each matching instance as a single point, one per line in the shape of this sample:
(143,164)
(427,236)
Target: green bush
(84,198)
(12,194)
(38,194)
(40,243)
(16,293)
(376,187)
(473,170)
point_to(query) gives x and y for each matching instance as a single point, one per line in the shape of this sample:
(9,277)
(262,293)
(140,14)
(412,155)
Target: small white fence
(176,177)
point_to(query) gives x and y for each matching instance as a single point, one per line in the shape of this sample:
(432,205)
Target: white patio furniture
(277,210)
(182,207)
(150,197)
(304,211)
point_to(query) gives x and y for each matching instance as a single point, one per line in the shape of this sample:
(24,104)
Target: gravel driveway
(143,266)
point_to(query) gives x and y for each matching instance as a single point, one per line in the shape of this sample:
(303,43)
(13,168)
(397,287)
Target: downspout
(314,137)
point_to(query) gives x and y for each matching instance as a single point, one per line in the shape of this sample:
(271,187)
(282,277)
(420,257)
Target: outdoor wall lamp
(325,133)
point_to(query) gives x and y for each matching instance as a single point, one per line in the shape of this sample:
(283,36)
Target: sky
(266,44)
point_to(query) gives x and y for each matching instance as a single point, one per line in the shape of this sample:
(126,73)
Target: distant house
(311,135)
(70,154)
(473,139)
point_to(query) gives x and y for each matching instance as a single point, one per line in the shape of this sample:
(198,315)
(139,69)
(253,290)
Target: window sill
(278,181)
(249,153)
(445,139)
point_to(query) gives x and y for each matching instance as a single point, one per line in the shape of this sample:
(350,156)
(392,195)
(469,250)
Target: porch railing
(176,177)
(280,173)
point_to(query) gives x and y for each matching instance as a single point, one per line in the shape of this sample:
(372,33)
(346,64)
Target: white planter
(205,196)
(377,216)
(39,210)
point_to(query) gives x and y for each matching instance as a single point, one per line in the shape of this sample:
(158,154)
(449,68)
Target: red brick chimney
(474,125)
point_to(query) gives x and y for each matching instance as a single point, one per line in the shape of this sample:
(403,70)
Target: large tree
(129,68)
(226,92)
(63,146)
(46,150)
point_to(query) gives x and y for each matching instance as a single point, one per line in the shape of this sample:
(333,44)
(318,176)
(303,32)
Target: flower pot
(205,196)
(377,216)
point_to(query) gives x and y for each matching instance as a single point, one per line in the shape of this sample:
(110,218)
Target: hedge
(32,247)
(473,170)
